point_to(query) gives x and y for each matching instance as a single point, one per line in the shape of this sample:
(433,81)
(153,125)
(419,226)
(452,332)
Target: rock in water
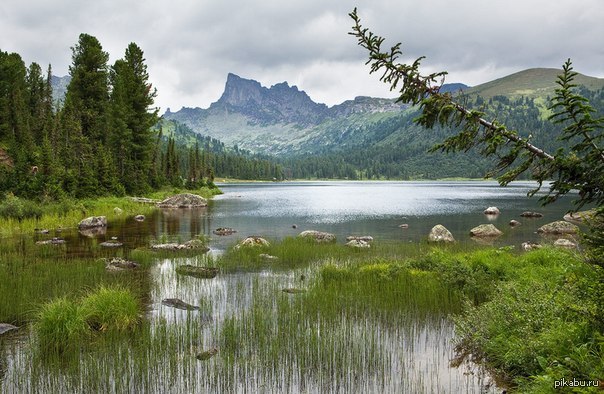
(224,231)
(5,327)
(119,264)
(529,214)
(439,233)
(559,227)
(251,242)
(528,246)
(179,304)
(514,223)
(139,218)
(492,211)
(292,290)
(485,230)
(318,236)
(111,244)
(93,221)
(580,217)
(206,355)
(184,200)
(364,238)
(197,272)
(565,243)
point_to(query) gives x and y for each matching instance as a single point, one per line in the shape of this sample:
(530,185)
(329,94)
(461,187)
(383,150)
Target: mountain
(59,87)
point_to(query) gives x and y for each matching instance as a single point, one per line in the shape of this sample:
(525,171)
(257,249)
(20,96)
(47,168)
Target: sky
(191,45)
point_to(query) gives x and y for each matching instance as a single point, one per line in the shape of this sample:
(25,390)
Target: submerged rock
(485,231)
(207,354)
(197,272)
(179,304)
(559,227)
(93,232)
(222,231)
(252,242)
(529,214)
(293,290)
(139,218)
(439,233)
(189,245)
(184,200)
(268,257)
(565,243)
(514,223)
(53,241)
(120,264)
(492,211)
(358,243)
(364,238)
(5,327)
(111,244)
(93,221)
(318,236)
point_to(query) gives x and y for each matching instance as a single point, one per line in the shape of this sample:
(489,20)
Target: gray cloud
(191,45)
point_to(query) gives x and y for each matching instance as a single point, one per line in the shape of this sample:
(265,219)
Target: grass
(111,308)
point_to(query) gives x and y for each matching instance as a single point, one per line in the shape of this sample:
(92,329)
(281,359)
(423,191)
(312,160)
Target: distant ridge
(533,83)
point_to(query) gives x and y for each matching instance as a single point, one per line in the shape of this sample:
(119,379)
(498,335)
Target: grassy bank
(20,216)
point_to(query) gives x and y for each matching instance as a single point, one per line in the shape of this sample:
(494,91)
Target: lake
(334,339)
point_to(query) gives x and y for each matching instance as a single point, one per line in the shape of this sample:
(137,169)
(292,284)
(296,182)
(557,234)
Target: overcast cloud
(191,45)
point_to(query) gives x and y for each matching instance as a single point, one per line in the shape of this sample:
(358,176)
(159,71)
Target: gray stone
(565,243)
(358,243)
(364,238)
(439,233)
(139,218)
(189,245)
(53,241)
(5,327)
(93,221)
(223,231)
(252,242)
(514,223)
(580,217)
(527,246)
(111,244)
(485,230)
(492,211)
(559,227)
(179,304)
(184,200)
(120,264)
(529,214)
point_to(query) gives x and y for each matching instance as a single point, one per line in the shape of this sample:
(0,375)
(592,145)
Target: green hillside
(532,83)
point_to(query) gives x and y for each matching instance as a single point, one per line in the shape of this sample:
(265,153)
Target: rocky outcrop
(179,304)
(514,223)
(559,227)
(439,233)
(252,242)
(492,211)
(92,222)
(119,264)
(485,231)
(5,327)
(318,236)
(184,200)
(529,214)
(223,231)
(197,272)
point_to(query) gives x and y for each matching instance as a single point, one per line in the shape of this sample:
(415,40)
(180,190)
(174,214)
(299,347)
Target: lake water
(408,352)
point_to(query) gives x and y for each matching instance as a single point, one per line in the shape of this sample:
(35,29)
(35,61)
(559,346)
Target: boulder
(139,218)
(53,241)
(565,243)
(318,236)
(207,354)
(252,242)
(559,227)
(529,214)
(118,211)
(358,243)
(120,264)
(439,233)
(580,217)
(93,221)
(5,327)
(364,238)
(527,246)
(492,211)
(179,304)
(514,223)
(222,231)
(184,200)
(485,231)
(197,272)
